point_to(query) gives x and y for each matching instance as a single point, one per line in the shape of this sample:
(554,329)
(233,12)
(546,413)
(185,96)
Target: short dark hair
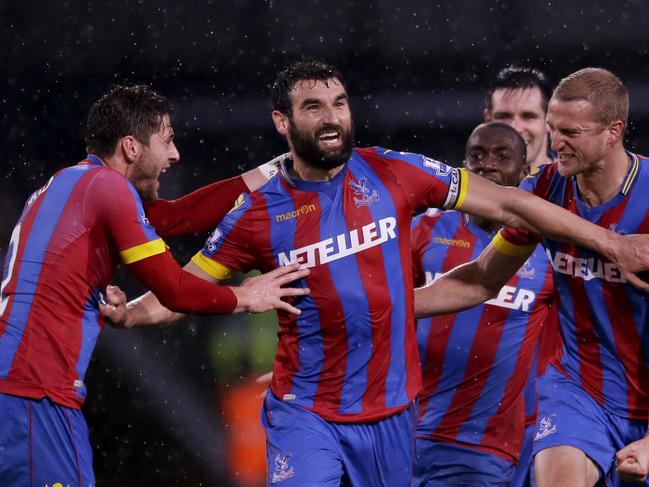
(516,77)
(135,110)
(306,69)
(518,140)
(600,87)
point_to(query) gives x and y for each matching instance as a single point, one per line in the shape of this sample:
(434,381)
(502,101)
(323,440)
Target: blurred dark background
(165,405)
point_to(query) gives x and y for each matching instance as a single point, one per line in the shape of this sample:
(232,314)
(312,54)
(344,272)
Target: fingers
(286,292)
(265,379)
(293,276)
(283,305)
(635,281)
(115,296)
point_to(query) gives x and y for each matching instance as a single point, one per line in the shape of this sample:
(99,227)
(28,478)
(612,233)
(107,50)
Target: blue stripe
(310,350)
(225,227)
(453,371)
(89,333)
(395,387)
(504,363)
(54,201)
(346,277)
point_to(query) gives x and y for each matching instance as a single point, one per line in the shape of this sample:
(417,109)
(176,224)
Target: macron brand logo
(587,269)
(342,245)
(509,297)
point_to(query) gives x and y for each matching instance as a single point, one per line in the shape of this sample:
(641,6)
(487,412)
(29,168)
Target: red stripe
(404,214)
(627,340)
(371,269)
(74,445)
(506,429)
(53,345)
(330,308)
(590,363)
(481,358)
(10,288)
(441,327)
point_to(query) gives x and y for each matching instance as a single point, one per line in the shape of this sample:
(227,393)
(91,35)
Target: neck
(115,162)
(541,158)
(601,184)
(306,172)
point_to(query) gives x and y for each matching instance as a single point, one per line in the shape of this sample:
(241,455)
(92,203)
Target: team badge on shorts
(546,427)
(282,469)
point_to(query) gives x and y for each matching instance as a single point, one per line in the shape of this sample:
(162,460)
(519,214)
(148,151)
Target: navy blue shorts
(305,450)
(443,464)
(524,473)
(42,443)
(569,416)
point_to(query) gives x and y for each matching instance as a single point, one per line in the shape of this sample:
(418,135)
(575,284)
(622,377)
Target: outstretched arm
(255,295)
(468,285)
(520,209)
(201,210)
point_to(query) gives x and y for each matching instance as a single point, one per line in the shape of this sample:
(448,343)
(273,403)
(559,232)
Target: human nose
(175,155)
(331,115)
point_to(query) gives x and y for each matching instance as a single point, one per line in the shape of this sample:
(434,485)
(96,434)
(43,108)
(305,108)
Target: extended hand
(113,307)
(632,461)
(264,293)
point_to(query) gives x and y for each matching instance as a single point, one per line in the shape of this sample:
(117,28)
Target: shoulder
(433,217)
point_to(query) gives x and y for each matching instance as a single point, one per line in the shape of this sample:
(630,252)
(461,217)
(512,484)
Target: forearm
(519,209)
(455,291)
(182,291)
(147,310)
(470,284)
(196,212)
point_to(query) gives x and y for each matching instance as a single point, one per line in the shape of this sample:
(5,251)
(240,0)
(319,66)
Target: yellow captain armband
(505,247)
(457,189)
(142,251)
(214,269)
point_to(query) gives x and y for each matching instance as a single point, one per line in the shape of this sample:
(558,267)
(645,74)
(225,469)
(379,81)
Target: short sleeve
(230,245)
(516,241)
(427,183)
(113,202)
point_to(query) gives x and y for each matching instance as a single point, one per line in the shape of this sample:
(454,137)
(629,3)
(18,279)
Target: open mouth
(330,137)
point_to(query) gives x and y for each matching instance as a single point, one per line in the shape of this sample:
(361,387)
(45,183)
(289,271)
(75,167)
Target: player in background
(476,364)
(594,399)
(519,97)
(341,405)
(70,238)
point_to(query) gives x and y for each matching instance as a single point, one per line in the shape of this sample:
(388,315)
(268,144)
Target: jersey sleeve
(196,212)
(230,246)
(114,203)
(516,241)
(420,237)
(427,183)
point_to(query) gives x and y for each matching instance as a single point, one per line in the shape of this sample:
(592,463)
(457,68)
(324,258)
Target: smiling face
(153,159)
(581,142)
(522,109)
(497,154)
(319,128)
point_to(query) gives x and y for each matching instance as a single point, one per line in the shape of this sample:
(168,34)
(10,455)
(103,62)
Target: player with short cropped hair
(69,240)
(341,403)
(595,397)
(518,96)
(475,364)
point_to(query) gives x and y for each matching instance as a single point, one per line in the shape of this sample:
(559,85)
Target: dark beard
(306,146)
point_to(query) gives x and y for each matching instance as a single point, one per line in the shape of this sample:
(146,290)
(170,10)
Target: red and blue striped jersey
(69,240)
(351,355)
(604,320)
(476,363)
